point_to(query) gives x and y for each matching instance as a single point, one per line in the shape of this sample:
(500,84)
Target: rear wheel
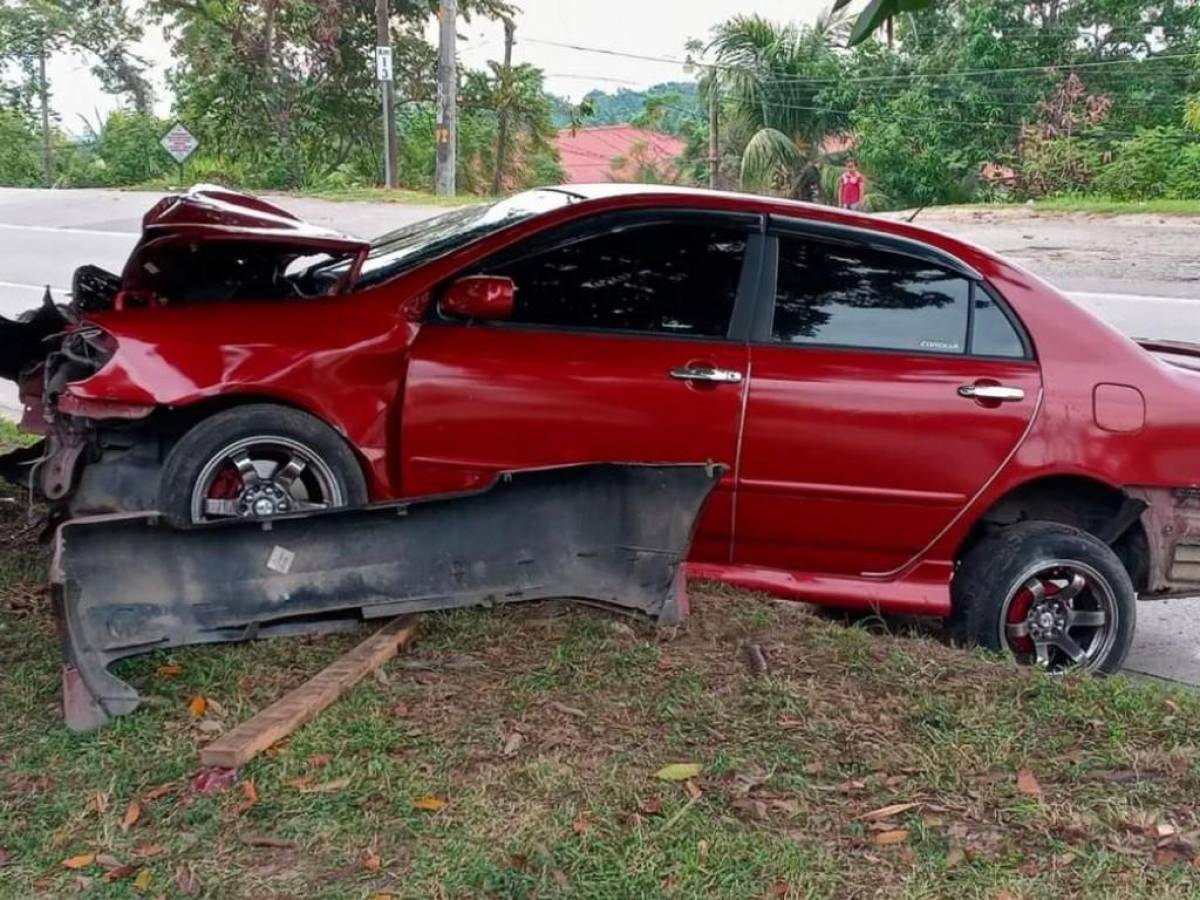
(255,462)
(1049,594)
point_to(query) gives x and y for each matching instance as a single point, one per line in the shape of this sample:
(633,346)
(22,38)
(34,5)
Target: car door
(621,347)
(888,385)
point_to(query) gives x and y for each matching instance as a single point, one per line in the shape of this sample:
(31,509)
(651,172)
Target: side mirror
(479,297)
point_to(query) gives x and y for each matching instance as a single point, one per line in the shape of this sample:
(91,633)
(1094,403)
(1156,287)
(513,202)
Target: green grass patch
(1086,205)
(853,764)
(12,436)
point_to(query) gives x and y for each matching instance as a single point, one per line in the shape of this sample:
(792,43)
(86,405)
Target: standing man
(852,188)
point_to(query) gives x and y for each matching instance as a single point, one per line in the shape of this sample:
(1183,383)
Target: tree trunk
(505,97)
(44,95)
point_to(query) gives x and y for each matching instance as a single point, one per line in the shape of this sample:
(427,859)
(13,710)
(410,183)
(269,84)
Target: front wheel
(1049,594)
(255,462)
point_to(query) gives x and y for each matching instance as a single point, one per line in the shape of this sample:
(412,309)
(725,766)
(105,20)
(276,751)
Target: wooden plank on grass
(285,715)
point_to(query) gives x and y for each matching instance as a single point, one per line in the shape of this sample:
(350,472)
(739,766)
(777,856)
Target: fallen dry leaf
(568,710)
(887,812)
(161,791)
(187,882)
(580,825)
(890,838)
(1027,784)
(82,861)
(143,879)
(170,670)
(429,804)
(5,857)
(693,789)
(250,790)
(1170,856)
(679,771)
(108,861)
(513,743)
(147,851)
(119,872)
(317,760)
(372,861)
(198,705)
(327,787)
(133,812)
(651,807)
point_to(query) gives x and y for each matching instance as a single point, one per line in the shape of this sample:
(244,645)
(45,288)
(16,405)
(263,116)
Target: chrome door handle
(703,373)
(995,392)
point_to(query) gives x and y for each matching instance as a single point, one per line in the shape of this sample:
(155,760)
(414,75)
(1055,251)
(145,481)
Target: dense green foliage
(281,95)
(678,102)
(1054,97)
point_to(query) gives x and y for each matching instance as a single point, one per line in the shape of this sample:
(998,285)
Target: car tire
(1043,592)
(329,465)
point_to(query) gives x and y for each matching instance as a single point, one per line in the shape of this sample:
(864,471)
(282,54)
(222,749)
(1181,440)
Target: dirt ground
(1130,254)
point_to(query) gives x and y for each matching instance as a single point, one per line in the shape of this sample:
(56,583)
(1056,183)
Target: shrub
(128,145)
(1183,180)
(20,151)
(1141,165)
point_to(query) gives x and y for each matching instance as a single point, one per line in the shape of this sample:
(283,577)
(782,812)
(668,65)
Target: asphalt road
(1141,274)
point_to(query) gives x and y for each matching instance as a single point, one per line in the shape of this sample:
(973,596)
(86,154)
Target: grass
(542,727)
(1095,206)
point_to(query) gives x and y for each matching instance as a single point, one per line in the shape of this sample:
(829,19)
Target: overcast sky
(647,27)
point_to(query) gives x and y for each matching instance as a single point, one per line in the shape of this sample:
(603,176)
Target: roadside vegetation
(551,751)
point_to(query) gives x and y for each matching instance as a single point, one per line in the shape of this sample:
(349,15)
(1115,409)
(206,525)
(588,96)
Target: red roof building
(588,155)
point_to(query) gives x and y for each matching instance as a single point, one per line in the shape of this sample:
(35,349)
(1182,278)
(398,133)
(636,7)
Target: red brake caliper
(227,485)
(1017,611)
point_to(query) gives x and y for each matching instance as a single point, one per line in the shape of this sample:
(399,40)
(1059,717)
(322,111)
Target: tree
(769,79)
(288,87)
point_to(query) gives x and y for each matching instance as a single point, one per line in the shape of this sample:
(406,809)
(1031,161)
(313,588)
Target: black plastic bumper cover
(605,533)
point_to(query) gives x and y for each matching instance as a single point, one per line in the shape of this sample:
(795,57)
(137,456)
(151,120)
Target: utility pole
(44,93)
(505,95)
(447,99)
(383,71)
(714,142)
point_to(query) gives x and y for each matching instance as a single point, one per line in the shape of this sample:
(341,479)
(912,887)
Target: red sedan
(910,423)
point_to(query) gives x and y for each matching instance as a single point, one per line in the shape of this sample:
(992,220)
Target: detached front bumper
(609,534)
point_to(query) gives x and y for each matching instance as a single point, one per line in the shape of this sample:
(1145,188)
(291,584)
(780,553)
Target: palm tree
(768,78)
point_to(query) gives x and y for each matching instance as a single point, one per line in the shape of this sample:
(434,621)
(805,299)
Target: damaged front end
(207,246)
(615,535)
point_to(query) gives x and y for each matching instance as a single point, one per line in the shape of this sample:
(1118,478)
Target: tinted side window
(992,334)
(674,278)
(853,296)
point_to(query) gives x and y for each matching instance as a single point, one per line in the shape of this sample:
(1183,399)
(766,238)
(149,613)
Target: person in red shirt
(852,187)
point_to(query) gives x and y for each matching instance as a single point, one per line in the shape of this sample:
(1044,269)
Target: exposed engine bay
(207,246)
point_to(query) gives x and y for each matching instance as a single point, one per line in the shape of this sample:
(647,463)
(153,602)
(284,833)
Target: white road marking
(52,229)
(33,287)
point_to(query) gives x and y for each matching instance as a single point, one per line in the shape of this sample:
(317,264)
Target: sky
(646,27)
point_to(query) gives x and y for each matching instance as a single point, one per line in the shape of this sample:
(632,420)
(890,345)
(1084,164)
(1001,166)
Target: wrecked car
(910,423)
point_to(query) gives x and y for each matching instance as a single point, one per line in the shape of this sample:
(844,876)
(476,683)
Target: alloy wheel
(1061,613)
(260,477)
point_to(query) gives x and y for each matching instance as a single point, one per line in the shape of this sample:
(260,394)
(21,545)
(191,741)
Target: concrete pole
(383,38)
(447,99)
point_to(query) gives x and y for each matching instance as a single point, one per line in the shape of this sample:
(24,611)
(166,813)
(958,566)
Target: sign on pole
(180,143)
(383,63)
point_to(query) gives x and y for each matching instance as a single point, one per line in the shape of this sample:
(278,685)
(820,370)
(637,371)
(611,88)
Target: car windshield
(400,250)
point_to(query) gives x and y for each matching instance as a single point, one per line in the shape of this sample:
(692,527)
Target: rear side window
(676,278)
(850,296)
(992,334)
